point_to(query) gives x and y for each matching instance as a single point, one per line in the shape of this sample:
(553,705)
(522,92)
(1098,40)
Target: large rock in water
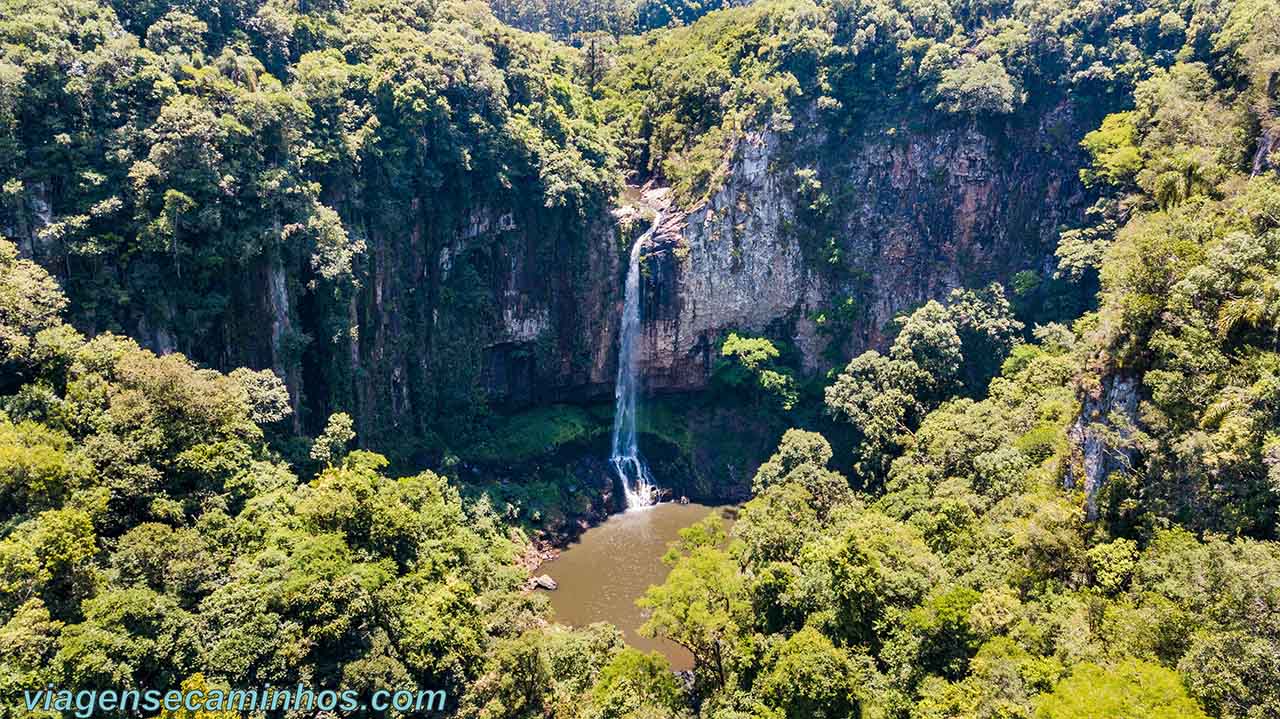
(543,581)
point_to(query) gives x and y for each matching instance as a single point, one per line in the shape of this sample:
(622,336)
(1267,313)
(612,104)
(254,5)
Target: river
(603,574)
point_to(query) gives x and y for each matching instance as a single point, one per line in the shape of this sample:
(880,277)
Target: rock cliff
(912,214)
(493,299)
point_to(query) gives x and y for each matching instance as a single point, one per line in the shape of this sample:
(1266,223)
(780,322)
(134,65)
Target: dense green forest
(1011,509)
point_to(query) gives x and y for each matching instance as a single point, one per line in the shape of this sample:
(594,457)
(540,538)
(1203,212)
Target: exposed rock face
(1268,146)
(514,305)
(729,263)
(514,308)
(1096,457)
(915,215)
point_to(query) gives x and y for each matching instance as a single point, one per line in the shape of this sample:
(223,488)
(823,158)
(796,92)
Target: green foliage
(978,87)
(267,396)
(808,676)
(30,301)
(687,99)
(587,22)
(331,446)
(968,582)
(754,357)
(1185,307)
(206,155)
(38,470)
(701,607)
(538,431)
(521,680)
(802,460)
(1231,674)
(632,681)
(197,683)
(940,350)
(1116,159)
(1112,564)
(682,98)
(1129,689)
(750,352)
(1081,250)
(150,536)
(50,559)
(776,524)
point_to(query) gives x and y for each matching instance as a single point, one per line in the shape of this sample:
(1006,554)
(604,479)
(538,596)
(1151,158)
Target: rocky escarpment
(508,308)
(467,299)
(455,303)
(1107,417)
(908,215)
(731,262)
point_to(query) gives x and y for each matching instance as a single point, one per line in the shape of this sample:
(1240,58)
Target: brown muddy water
(603,574)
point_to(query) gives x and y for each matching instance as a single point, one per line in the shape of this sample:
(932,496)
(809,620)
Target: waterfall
(637,484)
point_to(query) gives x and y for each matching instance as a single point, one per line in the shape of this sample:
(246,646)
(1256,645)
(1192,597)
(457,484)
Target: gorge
(484,300)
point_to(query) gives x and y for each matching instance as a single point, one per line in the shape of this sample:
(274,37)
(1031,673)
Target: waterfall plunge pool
(612,564)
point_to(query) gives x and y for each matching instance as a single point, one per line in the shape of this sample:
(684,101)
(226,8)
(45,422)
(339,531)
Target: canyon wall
(495,300)
(918,213)
(509,306)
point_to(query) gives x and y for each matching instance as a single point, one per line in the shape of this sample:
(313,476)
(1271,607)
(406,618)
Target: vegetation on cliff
(210,176)
(683,97)
(1091,534)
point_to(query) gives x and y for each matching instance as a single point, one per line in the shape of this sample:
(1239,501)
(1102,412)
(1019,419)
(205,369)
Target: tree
(701,606)
(930,344)
(268,398)
(519,682)
(987,330)
(1001,683)
(941,636)
(38,470)
(1131,688)
(941,350)
(776,523)
(30,301)
(131,637)
(1232,674)
(802,459)
(808,677)
(876,394)
(868,574)
(978,87)
(1116,157)
(632,681)
(177,32)
(331,446)
(753,356)
(197,683)
(30,639)
(49,557)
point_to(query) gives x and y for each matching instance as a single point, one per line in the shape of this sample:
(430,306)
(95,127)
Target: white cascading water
(637,484)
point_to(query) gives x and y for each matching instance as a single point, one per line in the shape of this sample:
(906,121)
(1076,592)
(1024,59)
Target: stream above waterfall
(611,565)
